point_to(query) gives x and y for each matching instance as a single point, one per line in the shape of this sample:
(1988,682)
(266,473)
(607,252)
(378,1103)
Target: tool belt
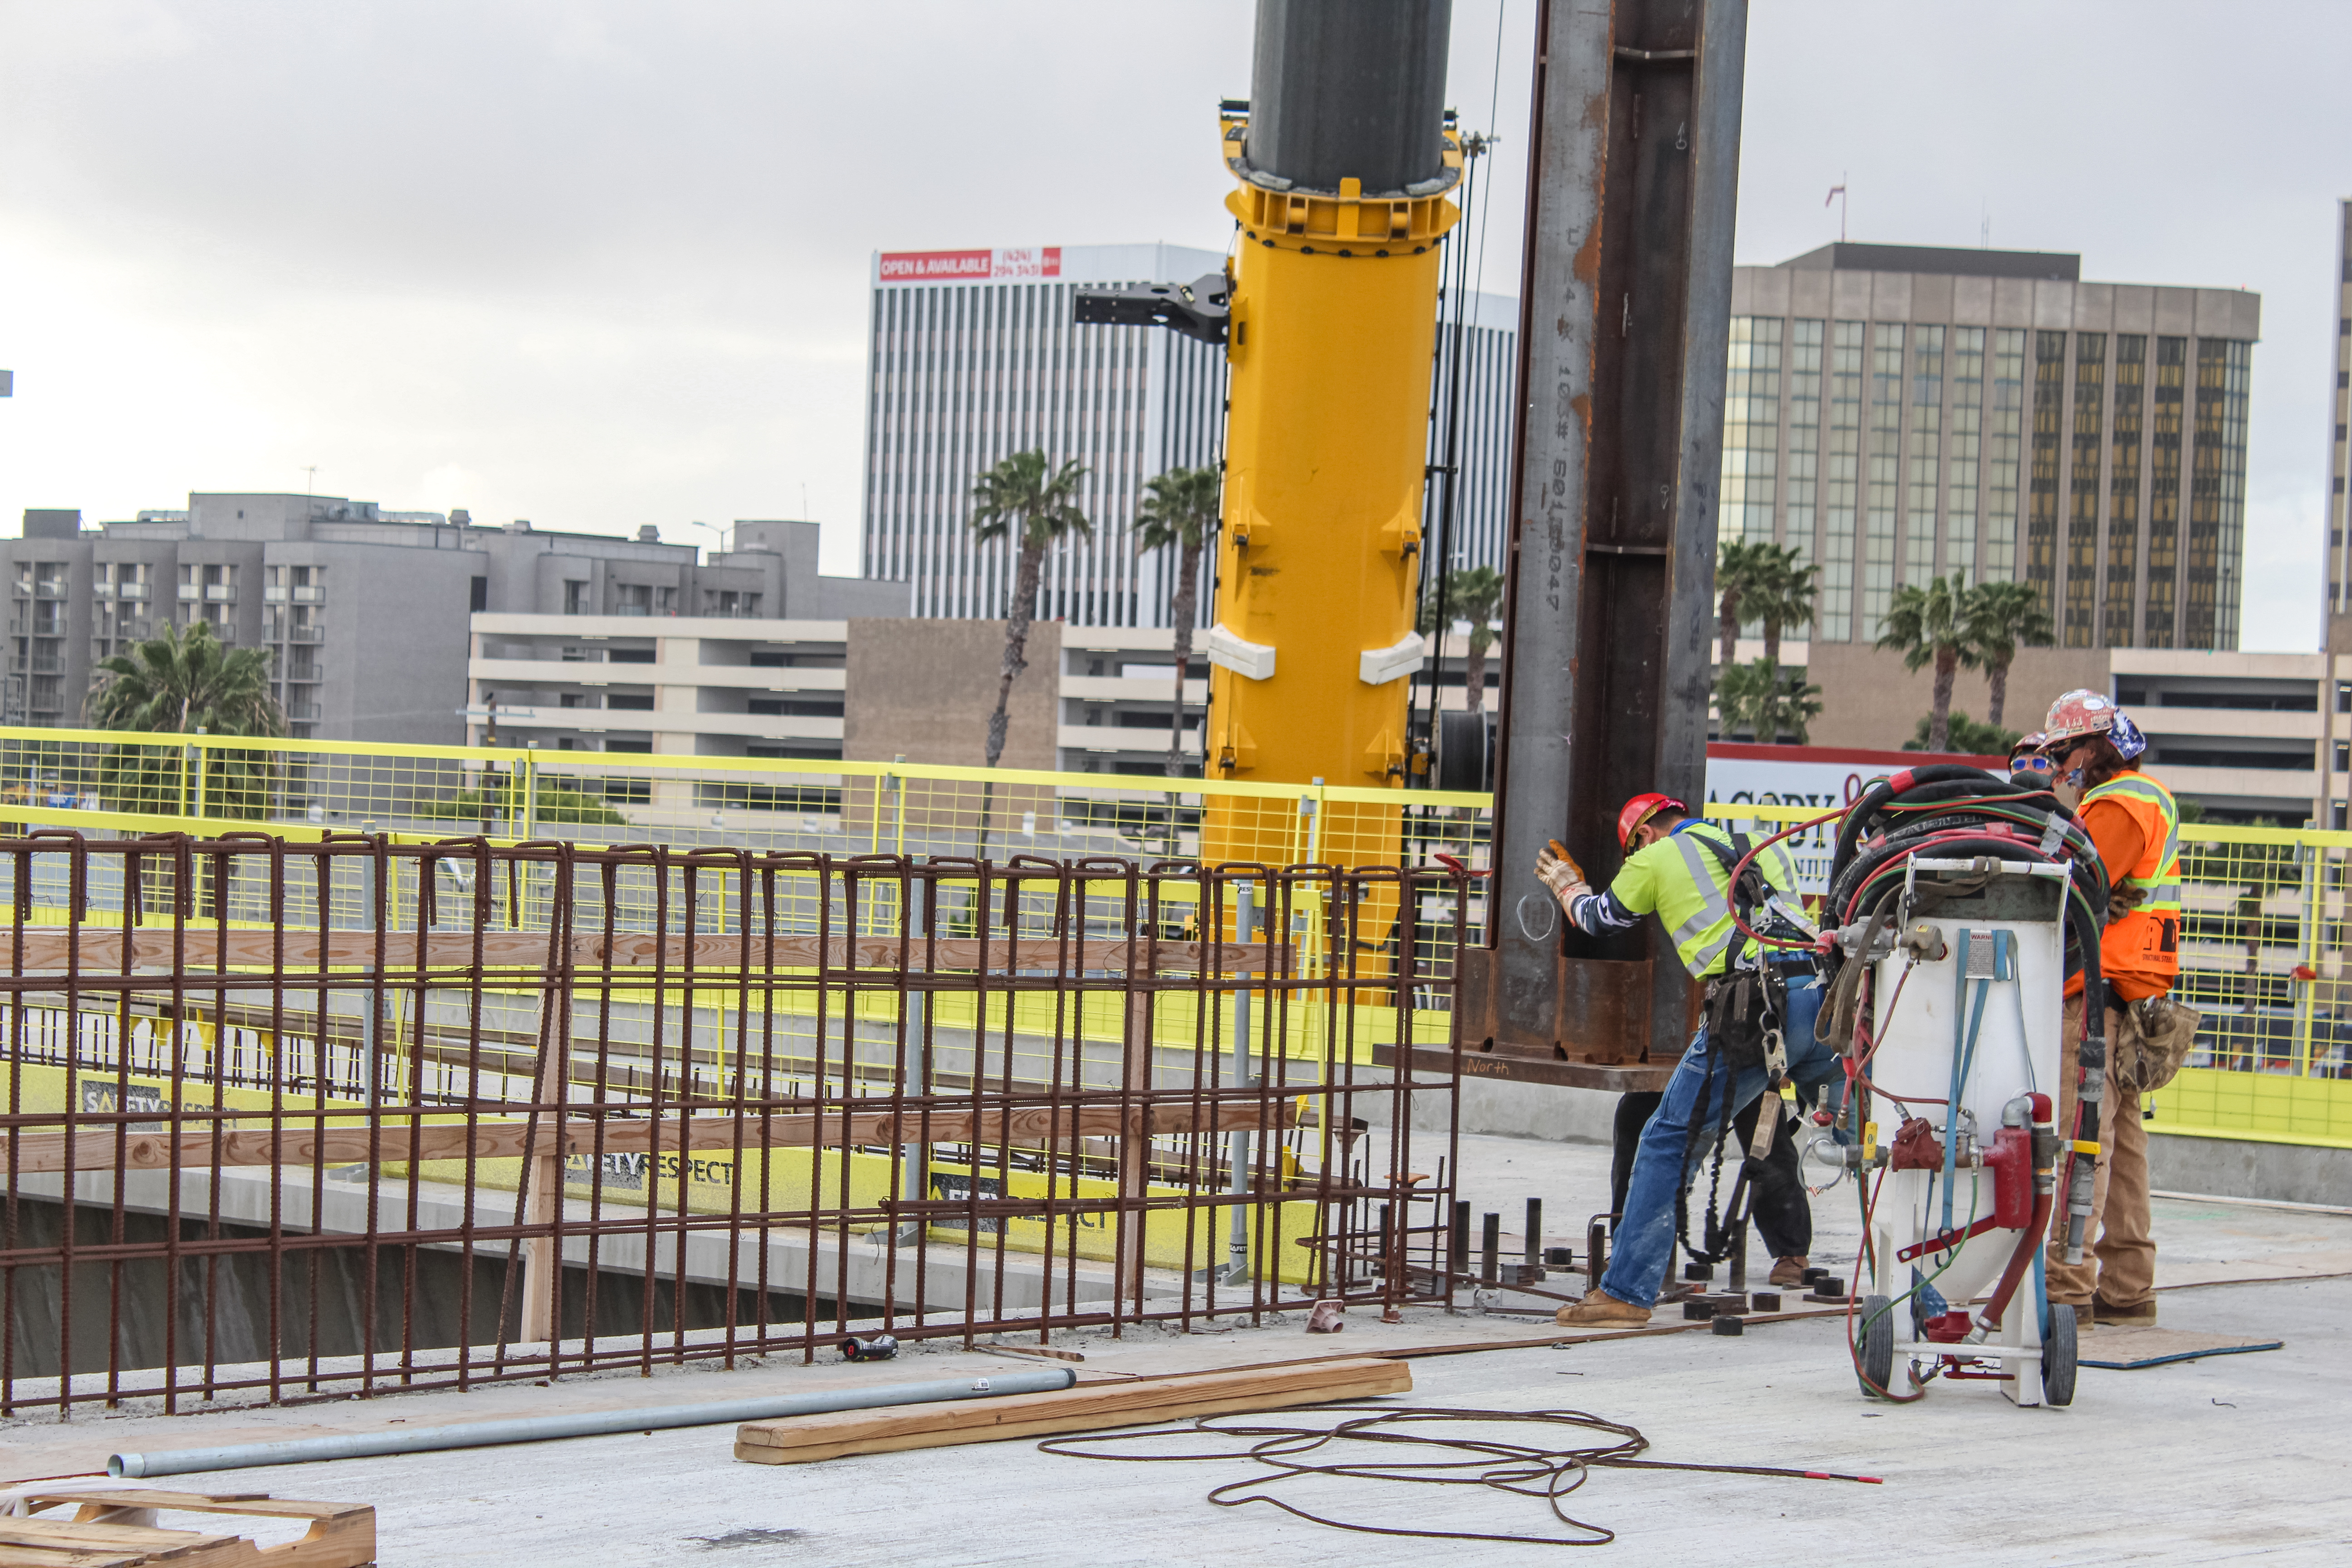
(2156,1037)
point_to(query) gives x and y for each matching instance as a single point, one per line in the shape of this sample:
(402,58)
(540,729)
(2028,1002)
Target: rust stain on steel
(740,1098)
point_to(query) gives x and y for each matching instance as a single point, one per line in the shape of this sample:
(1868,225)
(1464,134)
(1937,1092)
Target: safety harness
(1745,1006)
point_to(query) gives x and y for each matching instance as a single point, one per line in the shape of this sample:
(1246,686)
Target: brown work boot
(1600,1310)
(1787,1273)
(2140,1317)
(2085,1318)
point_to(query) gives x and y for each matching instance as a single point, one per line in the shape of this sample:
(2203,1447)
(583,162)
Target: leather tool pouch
(2159,1032)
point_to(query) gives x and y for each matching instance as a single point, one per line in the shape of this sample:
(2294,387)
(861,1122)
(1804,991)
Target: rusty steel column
(1625,314)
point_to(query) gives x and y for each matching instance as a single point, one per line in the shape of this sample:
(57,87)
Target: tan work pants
(2118,1266)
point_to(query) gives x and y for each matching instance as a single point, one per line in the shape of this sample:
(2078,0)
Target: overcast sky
(601,265)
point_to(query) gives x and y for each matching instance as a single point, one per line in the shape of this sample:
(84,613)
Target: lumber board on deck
(341,1534)
(1089,1407)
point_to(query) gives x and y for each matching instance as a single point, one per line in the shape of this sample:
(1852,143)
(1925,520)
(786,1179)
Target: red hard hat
(1639,810)
(2079,712)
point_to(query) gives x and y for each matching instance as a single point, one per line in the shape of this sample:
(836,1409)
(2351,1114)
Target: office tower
(974,356)
(1902,412)
(2339,450)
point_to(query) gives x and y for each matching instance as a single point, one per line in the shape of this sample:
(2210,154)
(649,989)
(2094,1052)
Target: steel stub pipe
(585,1424)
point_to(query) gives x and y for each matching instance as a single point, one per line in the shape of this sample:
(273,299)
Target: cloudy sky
(602,264)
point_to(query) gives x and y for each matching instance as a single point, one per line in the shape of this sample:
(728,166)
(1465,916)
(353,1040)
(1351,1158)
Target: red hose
(1989,1318)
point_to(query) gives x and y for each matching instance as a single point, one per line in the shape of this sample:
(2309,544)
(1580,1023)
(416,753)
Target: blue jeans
(1644,1241)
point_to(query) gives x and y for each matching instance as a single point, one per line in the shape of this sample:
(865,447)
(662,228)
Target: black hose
(1865,810)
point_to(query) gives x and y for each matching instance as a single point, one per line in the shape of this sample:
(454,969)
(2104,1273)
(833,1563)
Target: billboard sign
(1822,778)
(971,266)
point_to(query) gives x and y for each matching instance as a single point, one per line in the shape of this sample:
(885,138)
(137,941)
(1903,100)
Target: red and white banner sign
(969,265)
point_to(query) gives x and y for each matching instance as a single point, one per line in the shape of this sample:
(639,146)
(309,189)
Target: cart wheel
(1878,1345)
(2058,1357)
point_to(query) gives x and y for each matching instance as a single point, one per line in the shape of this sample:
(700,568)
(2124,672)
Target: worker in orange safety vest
(2134,824)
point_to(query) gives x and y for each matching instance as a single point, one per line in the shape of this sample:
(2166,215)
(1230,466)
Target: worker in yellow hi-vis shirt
(1759,1027)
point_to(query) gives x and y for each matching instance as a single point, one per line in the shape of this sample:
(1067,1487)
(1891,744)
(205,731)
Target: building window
(633,599)
(2004,438)
(2166,415)
(728,602)
(2041,513)
(1926,455)
(1842,483)
(2216,496)
(2083,513)
(1801,482)
(1883,498)
(1964,452)
(576,596)
(1751,429)
(477,594)
(2123,489)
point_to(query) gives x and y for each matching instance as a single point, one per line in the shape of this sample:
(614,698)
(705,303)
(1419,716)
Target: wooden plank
(49,948)
(1143,1402)
(341,1534)
(13,1556)
(1511,1066)
(503,1137)
(180,1548)
(17,1556)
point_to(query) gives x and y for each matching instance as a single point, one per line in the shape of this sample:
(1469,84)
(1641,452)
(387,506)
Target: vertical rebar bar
(1490,1250)
(1237,1262)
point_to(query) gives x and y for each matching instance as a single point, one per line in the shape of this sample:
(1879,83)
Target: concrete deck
(2235,1457)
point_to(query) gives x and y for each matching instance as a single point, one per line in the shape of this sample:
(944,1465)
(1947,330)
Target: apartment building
(1902,412)
(365,613)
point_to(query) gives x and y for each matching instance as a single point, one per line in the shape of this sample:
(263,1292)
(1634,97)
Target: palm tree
(184,685)
(1178,512)
(2000,615)
(1473,594)
(1026,499)
(1766,701)
(1781,595)
(1740,570)
(1930,626)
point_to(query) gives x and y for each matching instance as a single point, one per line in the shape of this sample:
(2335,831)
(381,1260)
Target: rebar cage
(301,1120)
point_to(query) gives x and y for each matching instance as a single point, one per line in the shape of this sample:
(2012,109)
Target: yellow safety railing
(2264,934)
(2263,958)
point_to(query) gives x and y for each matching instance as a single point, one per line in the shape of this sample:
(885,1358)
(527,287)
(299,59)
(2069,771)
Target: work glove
(2122,901)
(1558,870)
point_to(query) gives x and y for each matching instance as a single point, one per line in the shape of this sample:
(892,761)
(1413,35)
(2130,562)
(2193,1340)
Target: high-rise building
(365,612)
(2339,450)
(974,356)
(1902,412)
